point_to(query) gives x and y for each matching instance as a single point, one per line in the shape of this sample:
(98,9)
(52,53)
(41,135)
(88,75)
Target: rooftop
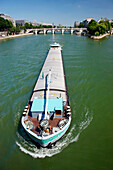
(53,104)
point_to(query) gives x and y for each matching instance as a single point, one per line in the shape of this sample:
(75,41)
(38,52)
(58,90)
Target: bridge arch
(55,30)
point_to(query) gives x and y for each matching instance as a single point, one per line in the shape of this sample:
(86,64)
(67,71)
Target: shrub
(96,33)
(92,27)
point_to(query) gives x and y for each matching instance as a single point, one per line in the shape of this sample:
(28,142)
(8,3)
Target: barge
(47,116)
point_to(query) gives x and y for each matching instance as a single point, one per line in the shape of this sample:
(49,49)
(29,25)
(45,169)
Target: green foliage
(5,24)
(59,26)
(25,30)
(8,24)
(93,22)
(12,30)
(27,25)
(2,24)
(22,27)
(92,27)
(96,33)
(30,26)
(107,24)
(17,29)
(81,25)
(45,26)
(101,28)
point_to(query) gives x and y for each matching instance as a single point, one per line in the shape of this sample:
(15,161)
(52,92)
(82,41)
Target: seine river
(88,144)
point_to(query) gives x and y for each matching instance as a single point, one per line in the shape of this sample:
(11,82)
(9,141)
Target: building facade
(105,19)
(86,22)
(44,24)
(76,24)
(21,22)
(8,18)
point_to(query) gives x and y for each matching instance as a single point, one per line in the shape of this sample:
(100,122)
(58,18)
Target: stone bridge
(53,30)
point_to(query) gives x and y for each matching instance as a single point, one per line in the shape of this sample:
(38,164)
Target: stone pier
(45,31)
(62,31)
(35,32)
(71,31)
(53,31)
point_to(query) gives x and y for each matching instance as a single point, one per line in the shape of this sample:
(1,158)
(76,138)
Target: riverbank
(99,37)
(15,36)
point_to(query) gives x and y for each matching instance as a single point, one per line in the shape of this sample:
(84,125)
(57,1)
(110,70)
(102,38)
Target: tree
(5,24)
(96,33)
(81,25)
(2,24)
(12,30)
(92,27)
(27,26)
(8,24)
(25,30)
(17,29)
(30,26)
(22,27)
(101,28)
(106,24)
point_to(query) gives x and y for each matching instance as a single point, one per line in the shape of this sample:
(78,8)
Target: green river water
(88,144)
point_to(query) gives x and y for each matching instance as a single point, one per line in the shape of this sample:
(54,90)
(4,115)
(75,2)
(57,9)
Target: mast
(48,87)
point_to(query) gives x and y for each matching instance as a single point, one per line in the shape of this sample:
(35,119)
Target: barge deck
(48,112)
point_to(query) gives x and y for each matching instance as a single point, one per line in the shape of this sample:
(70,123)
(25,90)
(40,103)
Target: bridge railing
(53,30)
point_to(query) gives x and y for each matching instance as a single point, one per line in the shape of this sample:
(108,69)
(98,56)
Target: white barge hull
(47,116)
(45,141)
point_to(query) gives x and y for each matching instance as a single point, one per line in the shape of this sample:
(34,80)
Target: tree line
(30,26)
(6,25)
(95,28)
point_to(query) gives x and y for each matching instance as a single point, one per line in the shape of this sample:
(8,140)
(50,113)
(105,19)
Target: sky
(64,12)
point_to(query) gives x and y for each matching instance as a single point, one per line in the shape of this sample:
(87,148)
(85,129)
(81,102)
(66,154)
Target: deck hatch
(53,104)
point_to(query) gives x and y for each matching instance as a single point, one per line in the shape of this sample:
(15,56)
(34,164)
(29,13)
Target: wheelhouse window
(58,113)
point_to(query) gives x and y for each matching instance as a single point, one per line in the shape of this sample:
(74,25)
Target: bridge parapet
(53,30)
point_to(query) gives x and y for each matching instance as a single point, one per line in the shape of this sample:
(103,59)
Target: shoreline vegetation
(95,30)
(99,30)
